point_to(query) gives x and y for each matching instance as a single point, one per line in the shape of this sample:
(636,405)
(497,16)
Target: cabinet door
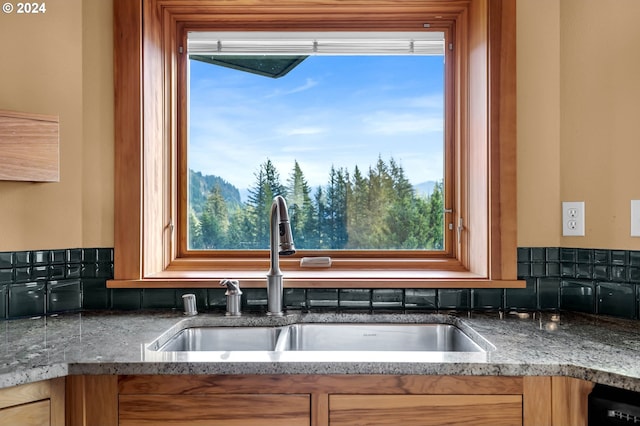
(215,410)
(39,403)
(33,414)
(425,410)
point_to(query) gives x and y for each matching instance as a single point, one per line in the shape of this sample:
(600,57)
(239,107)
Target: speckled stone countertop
(600,349)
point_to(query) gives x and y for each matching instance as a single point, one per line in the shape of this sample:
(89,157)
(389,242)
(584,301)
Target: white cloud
(309,83)
(390,123)
(302,131)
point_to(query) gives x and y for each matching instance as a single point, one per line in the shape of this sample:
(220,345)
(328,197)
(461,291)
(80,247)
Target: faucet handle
(233,286)
(233,294)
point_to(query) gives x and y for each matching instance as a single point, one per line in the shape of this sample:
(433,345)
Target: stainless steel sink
(377,337)
(220,339)
(307,337)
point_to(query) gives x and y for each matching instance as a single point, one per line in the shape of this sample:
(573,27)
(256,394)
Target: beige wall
(538,87)
(578,121)
(60,63)
(600,132)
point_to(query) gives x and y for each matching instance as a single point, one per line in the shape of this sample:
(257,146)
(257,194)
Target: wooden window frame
(148,124)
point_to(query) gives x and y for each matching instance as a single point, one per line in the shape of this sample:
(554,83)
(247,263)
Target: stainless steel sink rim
(278,339)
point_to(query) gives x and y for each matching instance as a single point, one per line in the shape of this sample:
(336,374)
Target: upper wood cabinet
(29,147)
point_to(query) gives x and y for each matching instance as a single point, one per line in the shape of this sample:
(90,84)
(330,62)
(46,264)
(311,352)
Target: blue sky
(329,110)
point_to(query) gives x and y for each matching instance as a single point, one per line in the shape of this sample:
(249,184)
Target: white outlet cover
(573,218)
(635,218)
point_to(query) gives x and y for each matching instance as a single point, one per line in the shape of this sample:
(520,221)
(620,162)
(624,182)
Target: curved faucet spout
(280,243)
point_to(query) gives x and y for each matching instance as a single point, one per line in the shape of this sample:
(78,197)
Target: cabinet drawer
(425,410)
(215,410)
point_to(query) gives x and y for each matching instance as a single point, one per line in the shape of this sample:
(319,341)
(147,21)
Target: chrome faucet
(281,243)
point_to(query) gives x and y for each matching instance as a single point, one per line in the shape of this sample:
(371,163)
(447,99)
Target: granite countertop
(600,349)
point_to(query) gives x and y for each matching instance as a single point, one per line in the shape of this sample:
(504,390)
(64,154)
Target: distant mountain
(200,187)
(425,188)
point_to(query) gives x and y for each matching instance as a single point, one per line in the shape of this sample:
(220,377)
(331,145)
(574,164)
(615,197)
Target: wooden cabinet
(322,400)
(425,410)
(214,410)
(34,404)
(29,147)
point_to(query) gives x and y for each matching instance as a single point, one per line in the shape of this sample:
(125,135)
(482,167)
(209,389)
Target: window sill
(321,279)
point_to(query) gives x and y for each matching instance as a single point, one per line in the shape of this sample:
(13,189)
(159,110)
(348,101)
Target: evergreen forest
(376,209)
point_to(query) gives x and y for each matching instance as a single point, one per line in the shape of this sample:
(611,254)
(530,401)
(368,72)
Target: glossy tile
(40,257)
(73,270)
(216,298)
(74,255)
(158,298)
(126,298)
(617,299)
(578,295)
(382,299)
(538,254)
(522,299)
(253,299)
(568,255)
(619,257)
(89,255)
(63,296)
(587,280)
(322,298)
(27,299)
(420,299)
(95,294)
(3,301)
(553,254)
(39,273)
(56,272)
(6,276)
(295,298)
(22,258)
(548,294)
(57,257)
(22,274)
(454,299)
(6,259)
(355,298)
(487,299)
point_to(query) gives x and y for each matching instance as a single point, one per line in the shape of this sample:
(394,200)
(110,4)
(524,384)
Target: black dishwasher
(613,406)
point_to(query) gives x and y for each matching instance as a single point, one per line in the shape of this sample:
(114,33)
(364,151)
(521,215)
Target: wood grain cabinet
(29,147)
(323,400)
(34,404)
(425,410)
(218,410)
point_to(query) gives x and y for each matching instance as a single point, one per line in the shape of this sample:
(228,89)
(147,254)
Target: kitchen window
(348,127)
(152,245)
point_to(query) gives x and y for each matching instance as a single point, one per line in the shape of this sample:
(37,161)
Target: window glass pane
(354,143)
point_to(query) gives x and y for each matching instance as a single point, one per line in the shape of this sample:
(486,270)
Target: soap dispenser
(233,294)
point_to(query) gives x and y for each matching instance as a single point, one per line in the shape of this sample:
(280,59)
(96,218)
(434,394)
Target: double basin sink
(322,337)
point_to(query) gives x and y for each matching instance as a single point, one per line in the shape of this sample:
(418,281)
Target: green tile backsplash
(607,282)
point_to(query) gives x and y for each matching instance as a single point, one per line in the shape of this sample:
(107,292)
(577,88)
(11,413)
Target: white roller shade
(319,43)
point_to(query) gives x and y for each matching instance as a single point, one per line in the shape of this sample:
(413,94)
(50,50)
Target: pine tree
(401,214)
(301,214)
(261,196)
(321,235)
(435,219)
(336,208)
(358,213)
(215,221)
(195,231)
